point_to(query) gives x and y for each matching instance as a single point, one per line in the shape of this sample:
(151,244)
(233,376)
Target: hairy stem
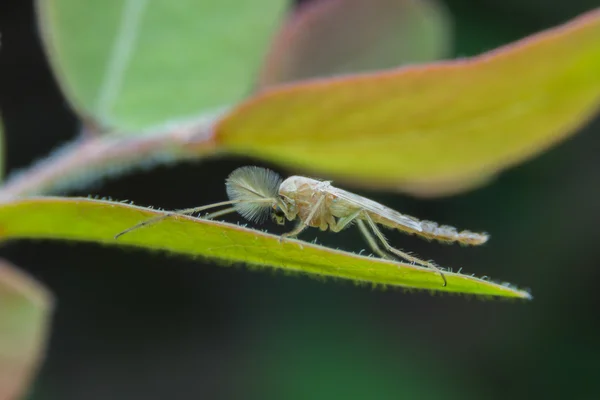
(93,157)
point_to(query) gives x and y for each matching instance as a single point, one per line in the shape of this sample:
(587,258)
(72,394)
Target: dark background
(136,325)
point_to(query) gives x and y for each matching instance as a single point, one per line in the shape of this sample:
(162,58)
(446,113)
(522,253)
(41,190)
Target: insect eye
(278,216)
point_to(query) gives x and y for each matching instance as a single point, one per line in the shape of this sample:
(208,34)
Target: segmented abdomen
(445,233)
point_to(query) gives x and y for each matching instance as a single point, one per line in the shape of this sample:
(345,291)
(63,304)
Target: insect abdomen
(445,233)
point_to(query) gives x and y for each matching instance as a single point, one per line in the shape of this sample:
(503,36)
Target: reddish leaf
(330,37)
(25,307)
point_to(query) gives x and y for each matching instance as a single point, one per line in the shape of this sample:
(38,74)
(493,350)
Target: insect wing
(376,208)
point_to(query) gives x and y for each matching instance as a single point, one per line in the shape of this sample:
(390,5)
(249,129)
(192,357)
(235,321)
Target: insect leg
(400,253)
(219,213)
(371,240)
(297,230)
(344,221)
(303,224)
(185,211)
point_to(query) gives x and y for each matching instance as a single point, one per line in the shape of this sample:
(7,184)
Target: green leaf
(25,308)
(431,129)
(99,221)
(132,64)
(330,37)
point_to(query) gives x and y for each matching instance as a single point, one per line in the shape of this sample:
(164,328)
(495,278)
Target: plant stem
(90,158)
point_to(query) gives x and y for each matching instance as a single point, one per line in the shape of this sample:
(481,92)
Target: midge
(256,193)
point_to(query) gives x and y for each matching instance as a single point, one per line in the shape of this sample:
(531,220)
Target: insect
(257,193)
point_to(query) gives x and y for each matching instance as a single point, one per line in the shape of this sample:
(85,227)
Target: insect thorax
(304,193)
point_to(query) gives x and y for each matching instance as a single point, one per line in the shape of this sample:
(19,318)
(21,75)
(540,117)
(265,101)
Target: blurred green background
(134,325)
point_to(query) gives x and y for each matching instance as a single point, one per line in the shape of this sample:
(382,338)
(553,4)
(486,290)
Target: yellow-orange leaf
(429,129)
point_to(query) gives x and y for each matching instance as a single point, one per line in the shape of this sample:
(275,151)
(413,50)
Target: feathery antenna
(253,187)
